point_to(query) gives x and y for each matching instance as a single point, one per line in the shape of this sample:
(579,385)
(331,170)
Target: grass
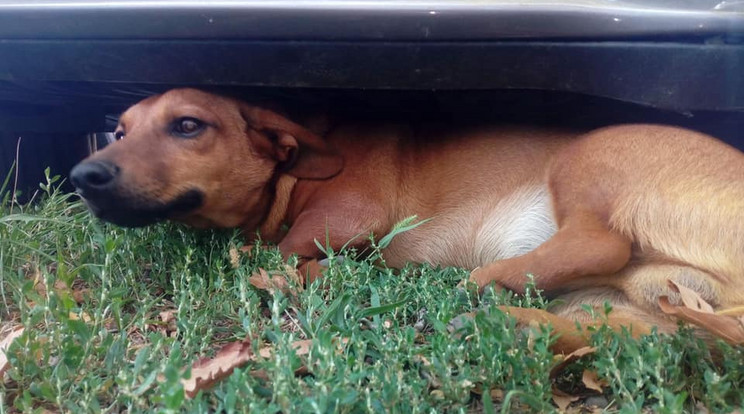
(95,340)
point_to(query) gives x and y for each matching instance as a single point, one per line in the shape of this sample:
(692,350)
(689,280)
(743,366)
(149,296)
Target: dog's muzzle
(100,185)
(90,177)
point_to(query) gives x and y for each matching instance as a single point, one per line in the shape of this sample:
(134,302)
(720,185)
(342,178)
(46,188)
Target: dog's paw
(479,278)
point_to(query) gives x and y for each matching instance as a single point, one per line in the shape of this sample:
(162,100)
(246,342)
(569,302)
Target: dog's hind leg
(571,327)
(583,246)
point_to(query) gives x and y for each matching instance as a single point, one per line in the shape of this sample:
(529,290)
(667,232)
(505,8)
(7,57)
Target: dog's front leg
(332,229)
(579,248)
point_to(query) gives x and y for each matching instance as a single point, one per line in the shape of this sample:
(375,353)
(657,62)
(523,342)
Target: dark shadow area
(53,119)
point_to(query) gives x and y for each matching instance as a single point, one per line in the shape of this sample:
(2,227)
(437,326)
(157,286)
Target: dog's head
(203,159)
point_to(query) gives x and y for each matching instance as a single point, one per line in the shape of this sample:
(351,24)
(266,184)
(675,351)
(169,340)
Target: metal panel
(664,75)
(368,20)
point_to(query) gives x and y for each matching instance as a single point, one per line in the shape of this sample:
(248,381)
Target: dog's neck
(271,229)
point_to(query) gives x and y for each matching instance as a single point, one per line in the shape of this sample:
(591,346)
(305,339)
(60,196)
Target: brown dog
(606,216)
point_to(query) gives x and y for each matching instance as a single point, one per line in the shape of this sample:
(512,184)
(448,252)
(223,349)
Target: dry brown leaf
(497,395)
(205,372)
(271,281)
(234,257)
(60,285)
(301,348)
(167,326)
(77,291)
(425,372)
(167,315)
(82,316)
(592,381)
(562,399)
(728,328)
(690,298)
(264,281)
(422,359)
(573,356)
(596,410)
(4,344)
(437,394)
(40,286)
(294,276)
(80,295)
(697,311)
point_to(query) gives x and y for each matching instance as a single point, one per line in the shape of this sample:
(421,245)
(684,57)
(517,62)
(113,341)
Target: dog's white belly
(478,232)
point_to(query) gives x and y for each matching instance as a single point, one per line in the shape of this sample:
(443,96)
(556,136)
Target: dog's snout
(93,175)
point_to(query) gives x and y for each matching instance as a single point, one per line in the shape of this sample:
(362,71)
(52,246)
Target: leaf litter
(695,310)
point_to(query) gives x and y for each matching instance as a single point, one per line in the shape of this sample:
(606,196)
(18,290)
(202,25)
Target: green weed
(90,297)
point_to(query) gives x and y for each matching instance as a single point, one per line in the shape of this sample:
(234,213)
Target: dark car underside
(67,69)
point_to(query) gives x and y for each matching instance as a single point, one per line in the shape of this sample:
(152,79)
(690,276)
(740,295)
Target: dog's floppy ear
(302,153)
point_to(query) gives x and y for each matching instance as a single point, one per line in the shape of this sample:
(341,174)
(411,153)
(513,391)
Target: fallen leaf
(167,315)
(294,276)
(697,311)
(276,280)
(690,298)
(497,395)
(80,295)
(234,257)
(167,325)
(728,328)
(206,372)
(77,291)
(573,356)
(422,360)
(426,373)
(4,344)
(437,394)
(263,281)
(79,316)
(562,399)
(592,381)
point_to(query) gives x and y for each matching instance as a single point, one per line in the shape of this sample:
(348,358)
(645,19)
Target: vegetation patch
(114,320)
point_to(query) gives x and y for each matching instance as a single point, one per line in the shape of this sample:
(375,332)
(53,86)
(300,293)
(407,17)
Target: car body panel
(452,20)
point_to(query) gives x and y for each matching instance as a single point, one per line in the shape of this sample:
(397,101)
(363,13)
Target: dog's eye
(187,127)
(119,135)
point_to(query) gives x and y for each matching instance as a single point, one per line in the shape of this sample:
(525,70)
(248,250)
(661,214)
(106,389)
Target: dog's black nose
(93,175)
